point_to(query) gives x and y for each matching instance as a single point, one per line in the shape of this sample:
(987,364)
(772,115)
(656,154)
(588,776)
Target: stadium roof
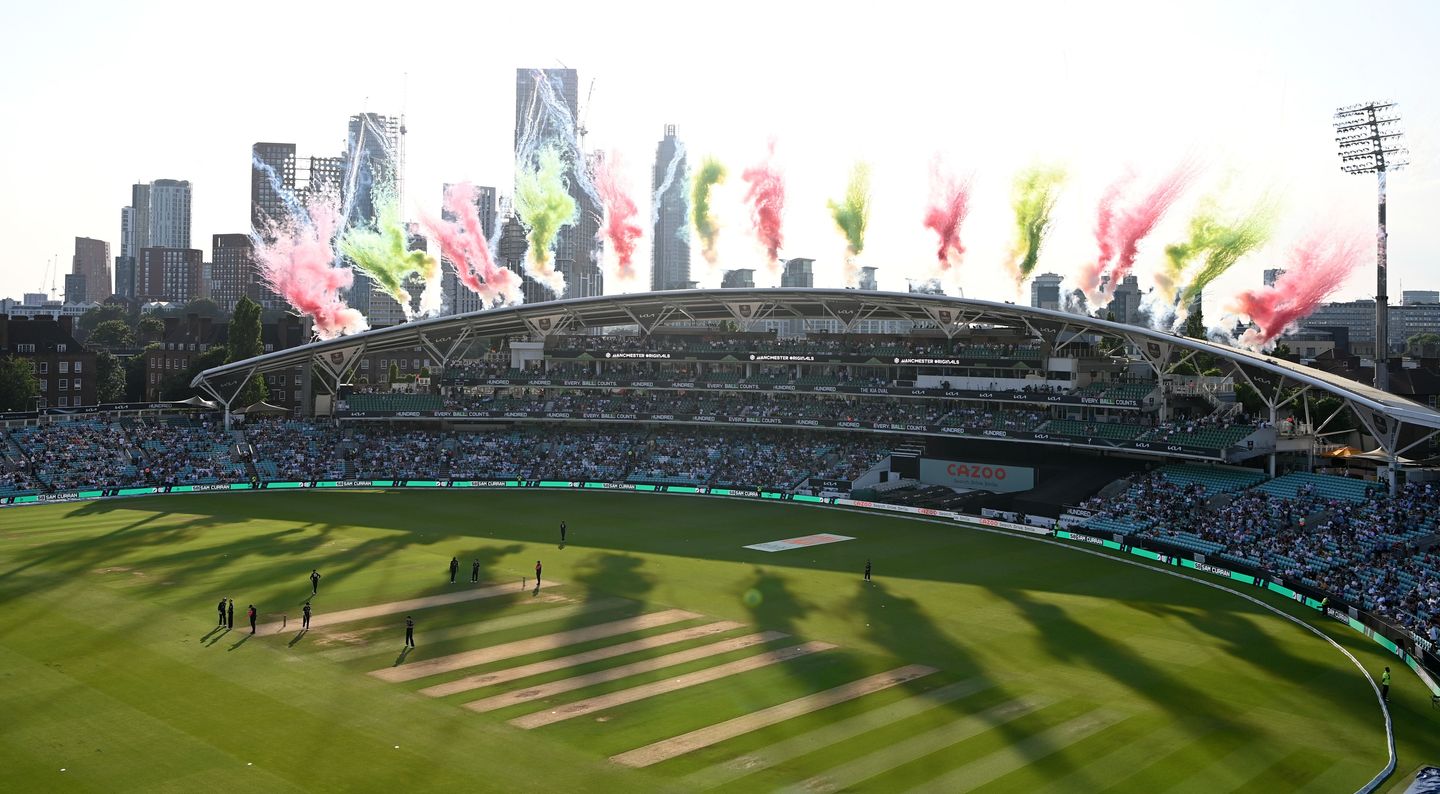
(445,337)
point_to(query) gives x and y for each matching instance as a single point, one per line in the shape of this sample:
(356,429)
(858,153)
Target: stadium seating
(1216,479)
(1290,485)
(1112,430)
(1212,437)
(394,401)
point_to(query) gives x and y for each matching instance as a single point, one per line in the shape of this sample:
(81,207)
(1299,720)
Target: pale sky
(97,96)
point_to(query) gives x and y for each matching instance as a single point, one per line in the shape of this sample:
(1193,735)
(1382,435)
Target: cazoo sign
(985,476)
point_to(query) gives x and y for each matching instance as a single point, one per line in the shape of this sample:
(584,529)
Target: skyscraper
(530,111)
(91,260)
(373,156)
(272,172)
(537,124)
(134,235)
(511,252)
(670,249)
(462,299)
(139,226)
(169,221)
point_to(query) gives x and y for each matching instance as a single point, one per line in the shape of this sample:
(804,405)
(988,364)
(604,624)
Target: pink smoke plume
(766,197)
(949,204)
(1119,229)
(620,227)
(296,264)
(463,243)
(1317,267)
(1104,236)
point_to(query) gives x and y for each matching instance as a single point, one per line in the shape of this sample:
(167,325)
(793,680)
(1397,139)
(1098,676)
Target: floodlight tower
(1370,142)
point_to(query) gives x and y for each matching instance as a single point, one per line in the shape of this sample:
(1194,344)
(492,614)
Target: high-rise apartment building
(460,298)
(741,278)
(1125,301)
(670,244)
(798,273)
(232,273)
(867,279)
(174,275)
(169,218)
(1045,291)
(92,261)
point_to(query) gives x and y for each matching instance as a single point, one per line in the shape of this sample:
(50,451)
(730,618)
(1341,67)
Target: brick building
(65,369)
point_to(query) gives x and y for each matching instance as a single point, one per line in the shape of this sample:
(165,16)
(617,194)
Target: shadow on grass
(244,639)
(1071,642)
(901,624)
(426,518)
(603,575)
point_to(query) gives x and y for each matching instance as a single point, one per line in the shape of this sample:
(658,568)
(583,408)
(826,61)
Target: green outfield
(659,655)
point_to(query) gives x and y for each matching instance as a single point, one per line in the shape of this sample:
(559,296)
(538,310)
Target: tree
(1250,400)
(177,385)
(245,342)
(90,320)
(135,375)
(109,378)
(1195,322)
(394,373)
(18,384)
(203,307)
(111,334)
(151,328)
(1423,344)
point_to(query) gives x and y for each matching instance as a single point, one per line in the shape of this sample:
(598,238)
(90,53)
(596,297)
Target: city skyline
(1257,110)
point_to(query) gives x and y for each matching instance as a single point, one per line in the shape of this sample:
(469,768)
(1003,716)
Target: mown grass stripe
(1159,773)
(1099,768)
(528,618)
(796,746)
(510,650)
(919,746)
(1005,760)
(1249,769)
(713,734)
(323,620)
(623,671)
(1075,763)
(644,691)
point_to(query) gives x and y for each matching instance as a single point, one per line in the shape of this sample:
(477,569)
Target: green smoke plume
(1216,242)
(1035,192)
(711,173)
(382,252)
(853,212)
(544,205)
